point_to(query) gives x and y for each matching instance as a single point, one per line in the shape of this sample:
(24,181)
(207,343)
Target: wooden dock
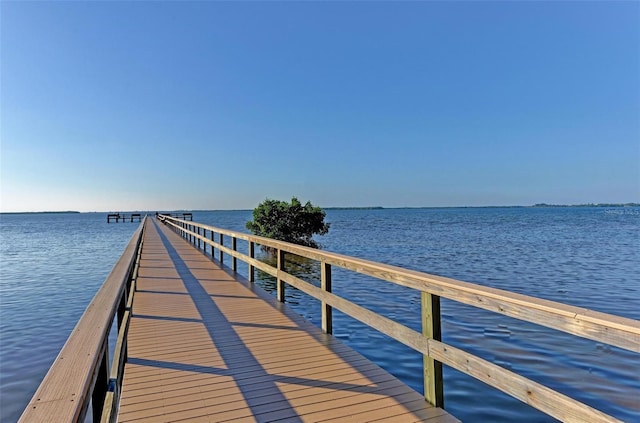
(205,347)
(198,343)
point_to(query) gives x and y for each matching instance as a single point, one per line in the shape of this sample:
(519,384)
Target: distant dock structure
(178,215)
(117,217)
(137,217)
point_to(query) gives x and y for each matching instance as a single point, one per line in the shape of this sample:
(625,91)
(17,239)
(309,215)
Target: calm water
(52,265)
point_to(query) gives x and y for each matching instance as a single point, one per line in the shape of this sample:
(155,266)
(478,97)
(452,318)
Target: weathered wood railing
(81,374)
(605,328)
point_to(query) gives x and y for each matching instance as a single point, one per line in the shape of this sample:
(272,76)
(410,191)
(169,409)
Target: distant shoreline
(44,212)
(539,205)
(588,205)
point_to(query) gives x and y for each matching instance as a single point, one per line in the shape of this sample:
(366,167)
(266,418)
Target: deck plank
(207,347)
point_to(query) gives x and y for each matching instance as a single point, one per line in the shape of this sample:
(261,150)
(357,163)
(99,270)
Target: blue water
(52,265)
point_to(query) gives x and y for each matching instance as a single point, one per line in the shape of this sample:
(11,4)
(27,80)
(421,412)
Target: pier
(179,215)
(198,342)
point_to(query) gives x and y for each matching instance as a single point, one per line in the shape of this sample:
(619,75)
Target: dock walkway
(207,346)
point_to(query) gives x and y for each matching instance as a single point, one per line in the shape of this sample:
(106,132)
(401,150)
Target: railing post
(220,255)
(212,241)
(122,306)
(432,369)
(198,231)
(204,243)
(234,261)
(280,282)
(252,254)
(325,284)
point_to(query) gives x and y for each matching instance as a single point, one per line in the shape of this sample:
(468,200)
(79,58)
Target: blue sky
(219,105)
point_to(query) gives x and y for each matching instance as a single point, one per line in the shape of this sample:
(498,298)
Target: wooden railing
(81,374)
(605,328)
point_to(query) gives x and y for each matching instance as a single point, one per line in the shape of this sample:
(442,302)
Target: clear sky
(219,105)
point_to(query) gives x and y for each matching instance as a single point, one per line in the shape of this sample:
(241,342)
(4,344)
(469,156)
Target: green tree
(288,222)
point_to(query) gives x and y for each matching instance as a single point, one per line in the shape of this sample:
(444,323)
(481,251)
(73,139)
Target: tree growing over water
(294,222)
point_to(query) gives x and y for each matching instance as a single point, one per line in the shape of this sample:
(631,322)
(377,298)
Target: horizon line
(540,205)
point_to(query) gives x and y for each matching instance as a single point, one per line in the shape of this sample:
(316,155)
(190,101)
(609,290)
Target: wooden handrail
(601,327)
(80,373)
(120,354)
(607,328)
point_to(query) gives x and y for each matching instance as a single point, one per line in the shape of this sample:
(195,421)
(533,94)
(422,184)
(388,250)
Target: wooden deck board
(205,347)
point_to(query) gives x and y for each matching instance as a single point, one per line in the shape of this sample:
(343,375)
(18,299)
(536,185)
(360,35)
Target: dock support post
(252,253)
(280,282)
(325,284)
(433,384)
